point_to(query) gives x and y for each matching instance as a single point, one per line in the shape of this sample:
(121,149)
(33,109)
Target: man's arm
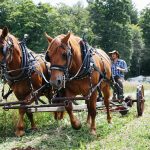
(123,67)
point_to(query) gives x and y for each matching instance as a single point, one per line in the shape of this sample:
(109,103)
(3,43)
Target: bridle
(6,48)
(64,68)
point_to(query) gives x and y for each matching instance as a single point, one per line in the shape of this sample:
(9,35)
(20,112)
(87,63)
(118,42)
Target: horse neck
(16,59)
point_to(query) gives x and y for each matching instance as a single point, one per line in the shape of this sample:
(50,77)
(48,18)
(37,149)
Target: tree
(138,47)
(6,7)
(111,23)
(23,16)
(31,19)
(73,18)
(145,25)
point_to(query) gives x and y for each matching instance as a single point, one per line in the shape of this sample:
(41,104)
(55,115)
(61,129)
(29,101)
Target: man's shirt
(121,64)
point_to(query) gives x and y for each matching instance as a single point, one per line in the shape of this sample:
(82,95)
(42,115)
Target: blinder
(47,57)
(7,46)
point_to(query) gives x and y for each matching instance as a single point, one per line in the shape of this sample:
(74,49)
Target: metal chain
(90,89)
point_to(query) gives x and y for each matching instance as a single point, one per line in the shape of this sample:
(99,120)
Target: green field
(127,132)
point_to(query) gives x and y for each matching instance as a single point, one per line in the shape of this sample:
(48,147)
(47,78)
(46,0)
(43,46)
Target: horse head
(6,46)
(57,54)
(61,54)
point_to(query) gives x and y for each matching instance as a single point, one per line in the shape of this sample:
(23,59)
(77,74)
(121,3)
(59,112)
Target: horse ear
(48,37)
(66,38)
(4,32)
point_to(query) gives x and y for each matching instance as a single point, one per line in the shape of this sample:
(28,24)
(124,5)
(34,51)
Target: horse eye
(64,56)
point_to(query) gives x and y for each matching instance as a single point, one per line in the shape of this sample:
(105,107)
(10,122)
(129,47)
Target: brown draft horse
(22,80)
(65,55)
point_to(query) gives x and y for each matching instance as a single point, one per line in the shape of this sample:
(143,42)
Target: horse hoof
(19,133)
(93,132)
(76,125)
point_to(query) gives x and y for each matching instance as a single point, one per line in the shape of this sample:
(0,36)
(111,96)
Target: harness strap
(41,74)
(58,67)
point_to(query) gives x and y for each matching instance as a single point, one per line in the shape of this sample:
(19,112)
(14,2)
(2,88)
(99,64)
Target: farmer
(119,67)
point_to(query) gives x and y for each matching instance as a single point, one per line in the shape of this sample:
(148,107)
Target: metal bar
(32,106)
(62,108)
(47,109)
(12,103)
(70,98)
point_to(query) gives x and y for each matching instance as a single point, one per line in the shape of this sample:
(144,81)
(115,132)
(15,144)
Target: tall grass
(130,87)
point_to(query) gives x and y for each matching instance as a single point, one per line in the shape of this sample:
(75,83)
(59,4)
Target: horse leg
(76,124)
(20,124)
(106,93)
(31,119)
(92,111)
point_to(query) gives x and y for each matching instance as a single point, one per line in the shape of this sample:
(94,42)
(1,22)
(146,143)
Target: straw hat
(114,52)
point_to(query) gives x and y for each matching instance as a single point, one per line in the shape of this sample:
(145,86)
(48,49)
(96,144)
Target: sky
(139,4)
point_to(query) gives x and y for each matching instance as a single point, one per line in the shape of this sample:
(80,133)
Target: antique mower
(115,105)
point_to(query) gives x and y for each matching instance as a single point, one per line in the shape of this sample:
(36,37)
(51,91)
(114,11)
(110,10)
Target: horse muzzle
(59,82)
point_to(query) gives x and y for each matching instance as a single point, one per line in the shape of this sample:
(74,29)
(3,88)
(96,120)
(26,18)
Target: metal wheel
(140,100)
